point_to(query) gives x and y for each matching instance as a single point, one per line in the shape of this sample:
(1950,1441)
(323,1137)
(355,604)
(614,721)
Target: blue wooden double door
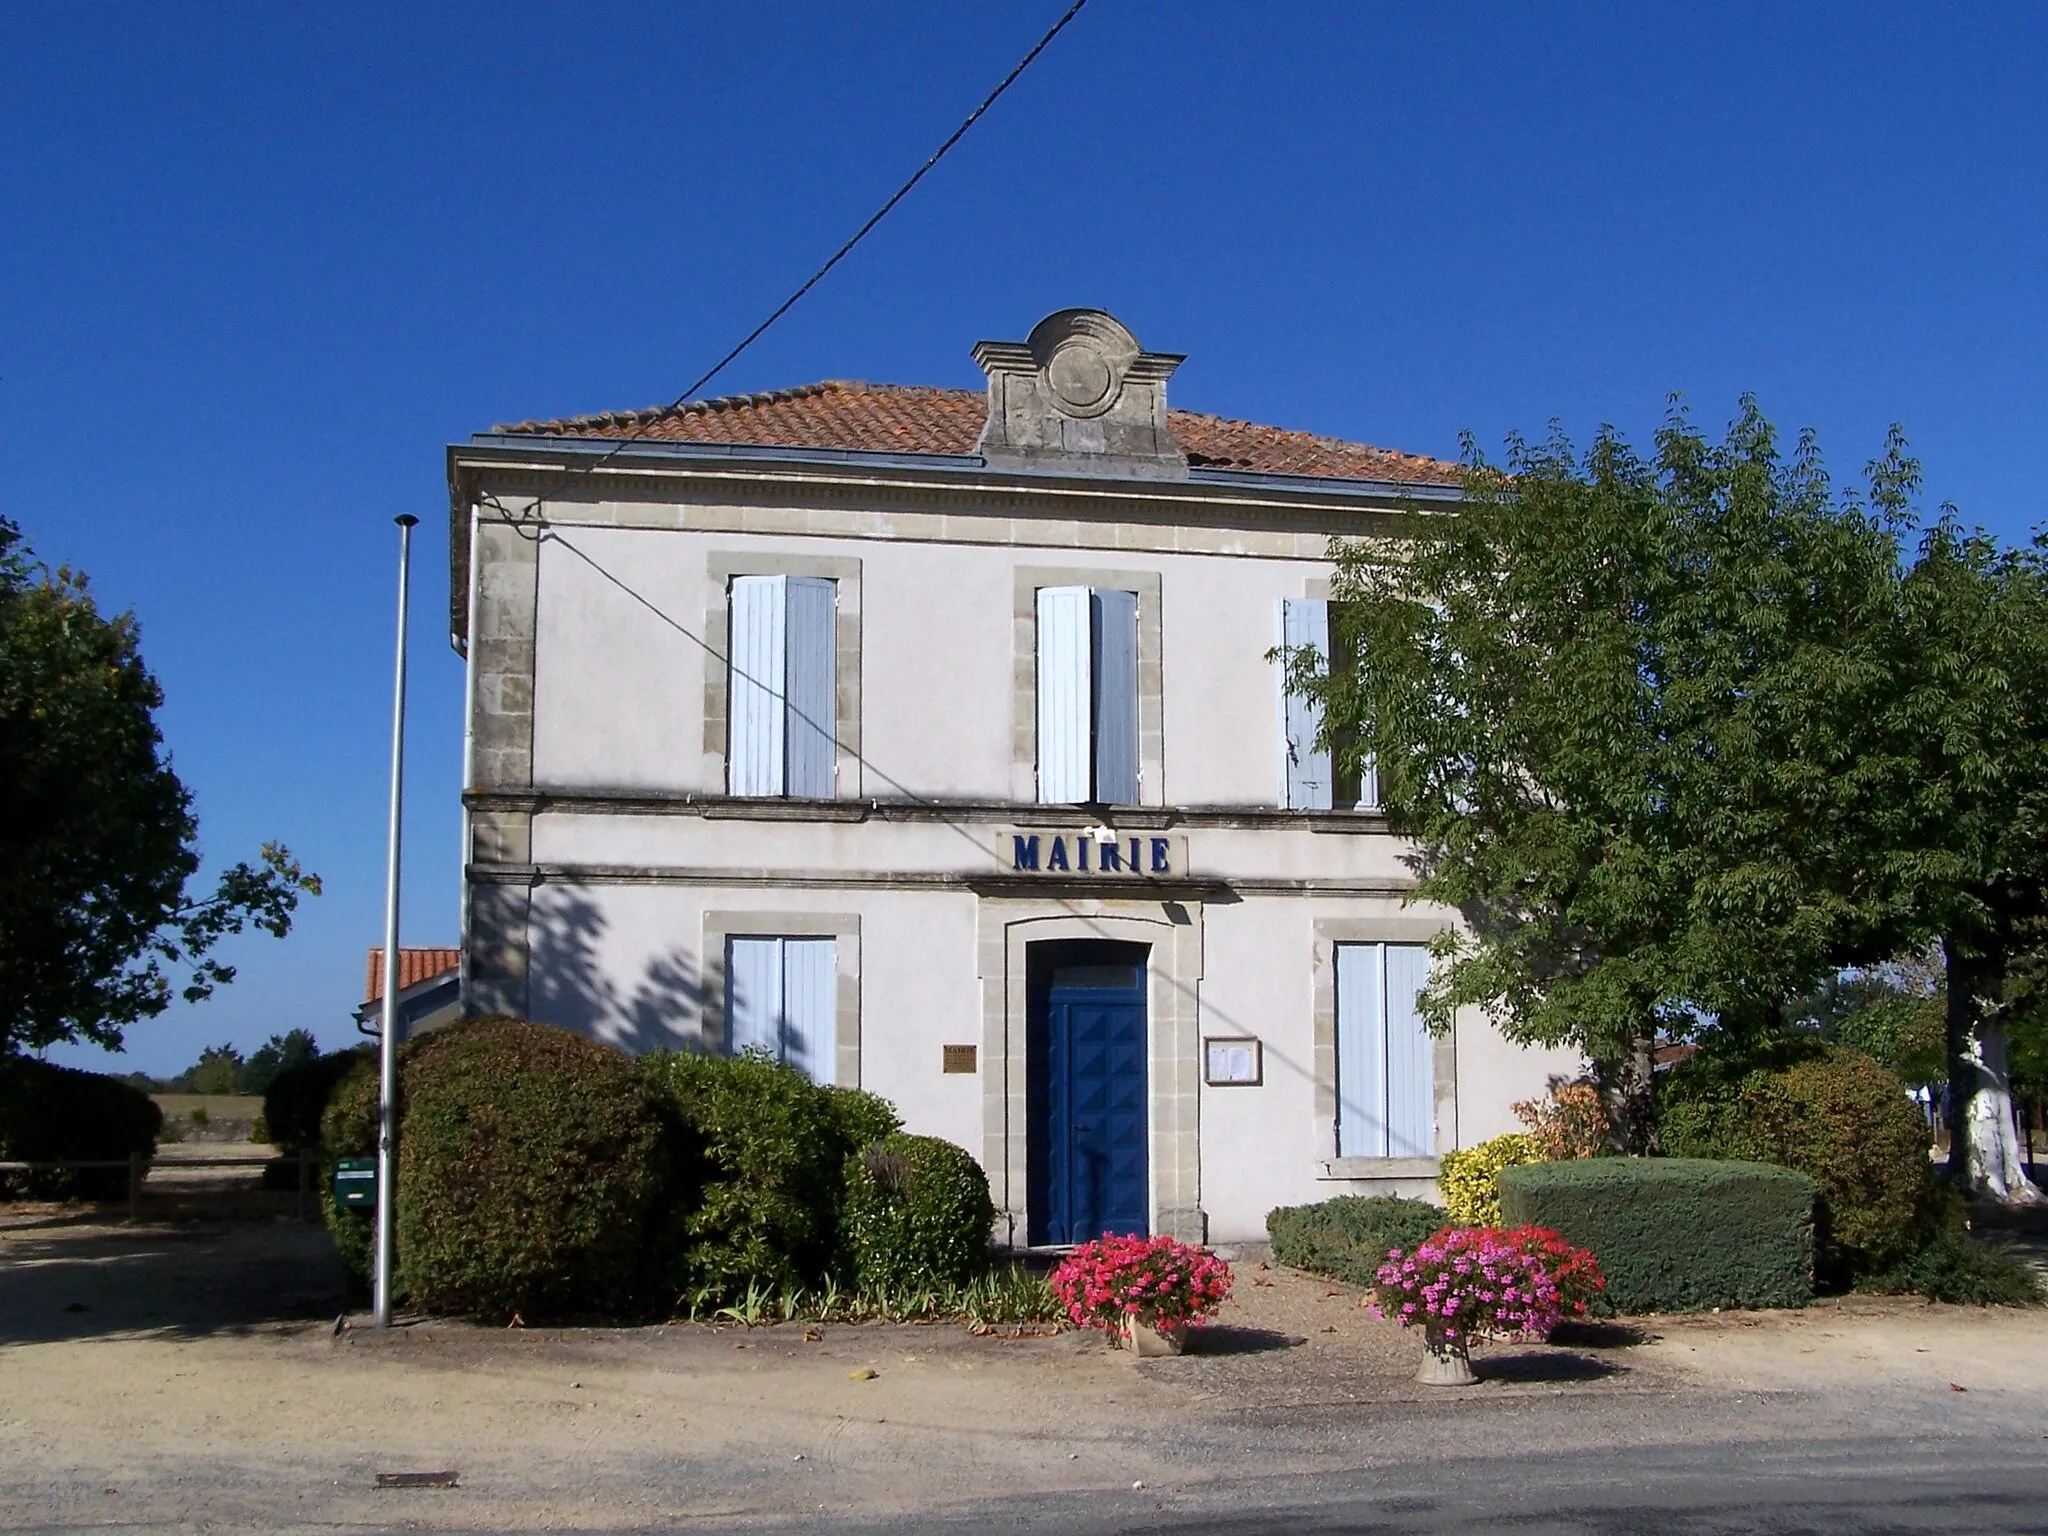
(1085,1090)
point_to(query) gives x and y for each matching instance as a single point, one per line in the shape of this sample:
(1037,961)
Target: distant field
(218,1106)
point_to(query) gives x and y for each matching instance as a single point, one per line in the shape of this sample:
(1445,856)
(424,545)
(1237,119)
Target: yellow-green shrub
(1470,1177)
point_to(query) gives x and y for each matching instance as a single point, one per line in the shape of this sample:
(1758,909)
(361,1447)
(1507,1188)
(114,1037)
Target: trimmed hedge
(297,1098)
(756,1180)
(1347,1237)
(530,1160)
(48,1112)
(1676,1234)
(1833,1114)
(916,1216)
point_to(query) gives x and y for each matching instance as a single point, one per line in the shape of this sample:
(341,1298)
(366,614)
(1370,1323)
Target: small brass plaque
(957,1058)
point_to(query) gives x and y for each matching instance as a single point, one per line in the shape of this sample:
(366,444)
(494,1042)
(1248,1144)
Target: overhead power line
(832,261)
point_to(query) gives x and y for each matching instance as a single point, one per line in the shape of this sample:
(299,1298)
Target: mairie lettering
(1083,854)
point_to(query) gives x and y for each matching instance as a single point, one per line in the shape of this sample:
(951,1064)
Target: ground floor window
(780,998)
(1386,1086)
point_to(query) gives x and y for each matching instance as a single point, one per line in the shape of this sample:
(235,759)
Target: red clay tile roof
(414,967)
(903,418)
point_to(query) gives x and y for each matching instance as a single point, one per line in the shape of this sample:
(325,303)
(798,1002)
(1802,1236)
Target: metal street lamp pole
(387,1044)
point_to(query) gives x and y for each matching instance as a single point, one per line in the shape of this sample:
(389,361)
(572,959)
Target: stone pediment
(1079,394)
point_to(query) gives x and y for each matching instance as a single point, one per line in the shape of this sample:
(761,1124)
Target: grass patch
(1007,1294)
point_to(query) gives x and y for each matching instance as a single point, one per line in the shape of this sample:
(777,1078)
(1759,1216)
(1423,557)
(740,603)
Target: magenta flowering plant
(1467,1283)
(1158,1281)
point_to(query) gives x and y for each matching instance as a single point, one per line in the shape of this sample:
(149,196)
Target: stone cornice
(643,802)
(1180,888)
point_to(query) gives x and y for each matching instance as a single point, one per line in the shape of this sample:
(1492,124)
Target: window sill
(1377,1168)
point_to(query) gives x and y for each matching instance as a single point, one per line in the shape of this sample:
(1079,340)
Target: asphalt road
(1868,1488)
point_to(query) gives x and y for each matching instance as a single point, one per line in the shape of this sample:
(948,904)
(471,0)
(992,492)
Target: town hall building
(931,740)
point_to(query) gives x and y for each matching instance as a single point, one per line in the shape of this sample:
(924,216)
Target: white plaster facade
(607,865)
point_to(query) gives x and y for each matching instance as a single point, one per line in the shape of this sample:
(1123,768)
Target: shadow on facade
(672,1005)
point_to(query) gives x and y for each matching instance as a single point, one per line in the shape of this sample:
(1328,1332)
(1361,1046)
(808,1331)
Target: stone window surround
(1328,934)
(1173,932)
(724,564)
(1145,585)
(843,928)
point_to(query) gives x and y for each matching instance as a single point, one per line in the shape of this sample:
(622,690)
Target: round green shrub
(529,1161)
(1830,1113)
(916,1216)
(49,1112)
(297,1098)
(348,1128)
(753,1197)
(862,1118)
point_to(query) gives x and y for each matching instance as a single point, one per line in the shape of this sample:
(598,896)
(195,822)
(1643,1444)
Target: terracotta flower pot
(1446,1362)
(1151,1341)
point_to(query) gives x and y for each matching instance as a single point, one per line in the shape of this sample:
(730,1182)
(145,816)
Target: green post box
(355,1181)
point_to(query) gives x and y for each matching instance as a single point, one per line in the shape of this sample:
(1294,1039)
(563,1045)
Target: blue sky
(260,264)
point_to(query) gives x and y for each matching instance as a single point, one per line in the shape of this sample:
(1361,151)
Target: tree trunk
(1627,1086)
(1983,1149)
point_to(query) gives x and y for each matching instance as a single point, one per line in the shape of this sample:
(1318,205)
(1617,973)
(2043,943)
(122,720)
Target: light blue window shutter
(1305,624)
(1114,619)
(809,989)
(811,678)
(753,995)
(1064,665)
(1411,1080)
(1361,1051)
(754,685)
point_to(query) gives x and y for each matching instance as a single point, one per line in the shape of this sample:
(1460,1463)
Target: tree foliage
(99,926)
(280,1053)
(1623,706)
(1969,841)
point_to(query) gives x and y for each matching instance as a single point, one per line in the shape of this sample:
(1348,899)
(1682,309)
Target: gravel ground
(179,1377)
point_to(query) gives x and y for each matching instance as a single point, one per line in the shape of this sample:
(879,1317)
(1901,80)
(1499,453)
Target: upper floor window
(783,722)
(1087,696)
(1310,781)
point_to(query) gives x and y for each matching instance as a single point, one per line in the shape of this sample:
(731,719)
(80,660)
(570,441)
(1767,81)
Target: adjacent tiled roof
(901,418)
(414,967)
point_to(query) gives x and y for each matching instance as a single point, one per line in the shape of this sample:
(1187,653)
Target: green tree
(99,926)
(1892,1013)
(218,1070)
(292,1049)
(1624,708)
(1967,849)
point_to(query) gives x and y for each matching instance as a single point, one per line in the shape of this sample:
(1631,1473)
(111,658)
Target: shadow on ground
(67,1276)
(1235,1339)
(1536,1366)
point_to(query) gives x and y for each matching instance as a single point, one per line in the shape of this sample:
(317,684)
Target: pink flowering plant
(1157,1281)
(1470,1282)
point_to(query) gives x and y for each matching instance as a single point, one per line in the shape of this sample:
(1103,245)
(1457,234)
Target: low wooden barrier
(138,1167)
